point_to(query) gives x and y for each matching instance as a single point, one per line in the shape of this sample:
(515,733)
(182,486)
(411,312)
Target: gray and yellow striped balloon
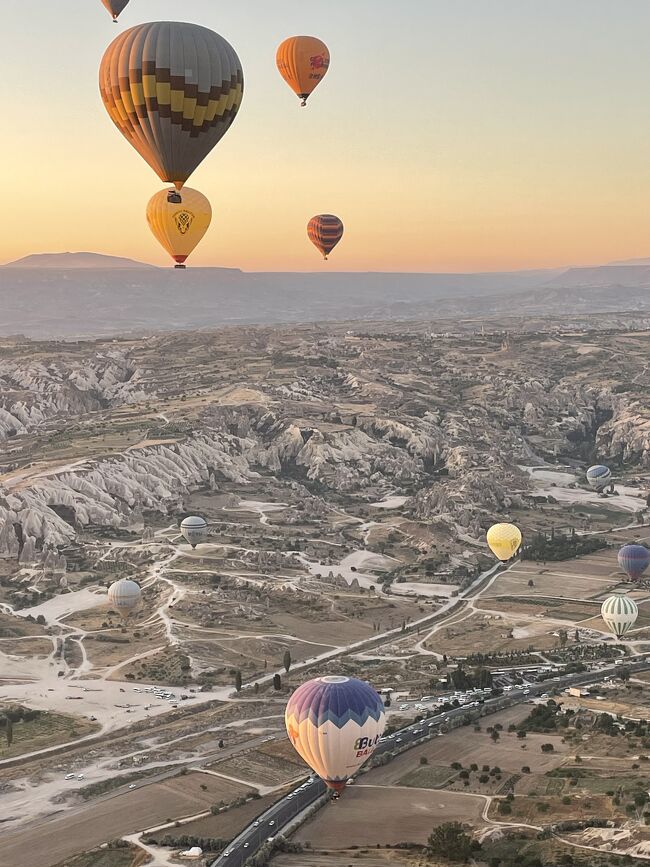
(173,90)
(619,613)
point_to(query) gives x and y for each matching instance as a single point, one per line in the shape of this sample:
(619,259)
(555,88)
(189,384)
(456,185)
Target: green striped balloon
(619,613)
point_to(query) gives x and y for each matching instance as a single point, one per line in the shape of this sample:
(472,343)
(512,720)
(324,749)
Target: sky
(448,135)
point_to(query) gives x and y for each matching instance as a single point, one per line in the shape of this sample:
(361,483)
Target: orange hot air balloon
(115,7)
(303,62)
(179,221)
(325,231)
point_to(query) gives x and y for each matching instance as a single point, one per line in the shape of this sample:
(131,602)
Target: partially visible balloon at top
(172,90)
(115,7)
(303,62)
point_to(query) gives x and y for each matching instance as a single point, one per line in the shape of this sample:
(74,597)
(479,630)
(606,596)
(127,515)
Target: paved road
(277,817)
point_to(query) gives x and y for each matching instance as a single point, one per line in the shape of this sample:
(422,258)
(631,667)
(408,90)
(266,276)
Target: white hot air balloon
(125,596)
(194,530)
(599,477)
(619,613)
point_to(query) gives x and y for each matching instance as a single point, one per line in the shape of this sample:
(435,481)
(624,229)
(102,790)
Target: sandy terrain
(49,842)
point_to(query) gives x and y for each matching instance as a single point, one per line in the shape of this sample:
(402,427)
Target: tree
(277,682)
(531,583)
(451,842)
(286,662)
(10,731)
(256,688)
(495,735)
(238,681)
(562,634)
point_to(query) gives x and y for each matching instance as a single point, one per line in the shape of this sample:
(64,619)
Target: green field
(428,777)
(45,730)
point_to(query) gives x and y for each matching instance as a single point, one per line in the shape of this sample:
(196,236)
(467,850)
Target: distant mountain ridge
(68,261)
(88,294)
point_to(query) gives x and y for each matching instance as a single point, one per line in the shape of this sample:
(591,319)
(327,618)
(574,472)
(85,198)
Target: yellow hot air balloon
(303,62)
(179,221)
(172,90)
(504,540)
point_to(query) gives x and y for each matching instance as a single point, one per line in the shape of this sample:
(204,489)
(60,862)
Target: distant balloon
(504,540)
(173,91)
(335,723)
(599,477)
(115,7)
(634,559)
(325,231)
(303,62)
(619,613)
(125,595)
(194,529)
(179,221)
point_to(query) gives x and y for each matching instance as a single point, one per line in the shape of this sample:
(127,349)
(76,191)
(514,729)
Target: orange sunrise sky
(449,136)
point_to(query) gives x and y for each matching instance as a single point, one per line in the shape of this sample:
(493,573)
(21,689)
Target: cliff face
(34,392)
(445,422)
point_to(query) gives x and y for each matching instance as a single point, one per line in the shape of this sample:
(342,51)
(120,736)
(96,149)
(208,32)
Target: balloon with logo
(325,231)
(179,221)
(504,540)
(115,7)
(194,530)
(125,595)
(172,90)
(599,476)
(303,62)
(335,723)
(619,613)
(634,560)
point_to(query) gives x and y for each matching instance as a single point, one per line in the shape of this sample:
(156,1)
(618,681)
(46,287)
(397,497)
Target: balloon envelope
(335,723)
(303,62)
(325,231)
(172,90)
(179,227)
(619,613)
(599,476)
(125,595)
(634,559)
(115,7)
(504,540)
(194,529)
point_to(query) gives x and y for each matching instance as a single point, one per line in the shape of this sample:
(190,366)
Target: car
(417,731)
(403,707)
(225,854)
(431,725)
(271,823)
(290,795)
(398,740)
(246,845)
(136,689)
(256,823)
(270,839)
(526,692)
(80,777)
(391,737)
(70,776)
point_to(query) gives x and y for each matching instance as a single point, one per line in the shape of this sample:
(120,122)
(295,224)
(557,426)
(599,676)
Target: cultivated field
(368,815)
(46,843)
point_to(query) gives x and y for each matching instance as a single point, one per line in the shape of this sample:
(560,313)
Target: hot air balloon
(335,723)
(303,62)
(179,226)
(172,90)
(619,613)
(325,231)
(194,529)
(634,559)
(115,7)
(504,540)
(599,477)
(125,595)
